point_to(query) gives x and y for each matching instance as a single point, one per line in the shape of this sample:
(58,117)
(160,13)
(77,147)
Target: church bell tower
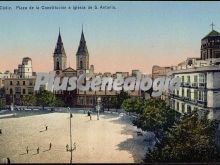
(59,56)
(82,56)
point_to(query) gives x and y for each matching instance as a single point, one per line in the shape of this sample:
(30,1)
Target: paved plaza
(112,139)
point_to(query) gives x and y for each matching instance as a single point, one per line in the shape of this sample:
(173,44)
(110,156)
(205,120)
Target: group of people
(69,149)
(38,148)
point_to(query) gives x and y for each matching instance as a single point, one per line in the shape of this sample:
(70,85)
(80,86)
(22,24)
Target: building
(24,69)
(59,56)
(16,88)
(200,77)
(20,83)
(158,71)
(82,57)
(79,98)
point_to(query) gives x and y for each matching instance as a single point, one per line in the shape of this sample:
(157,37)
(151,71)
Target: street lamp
(72,147)
(98,106)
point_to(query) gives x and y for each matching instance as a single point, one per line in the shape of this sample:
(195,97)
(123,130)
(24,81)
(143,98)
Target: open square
(112,139)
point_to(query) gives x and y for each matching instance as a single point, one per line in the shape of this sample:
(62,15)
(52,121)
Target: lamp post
(98,107)
(72,147)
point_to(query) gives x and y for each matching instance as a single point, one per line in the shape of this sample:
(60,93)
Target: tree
(112,102)
(58,102)
(28,100)
(152,114)
(46,98)
(2,102)
(134,105)
(191,139)
(120,98)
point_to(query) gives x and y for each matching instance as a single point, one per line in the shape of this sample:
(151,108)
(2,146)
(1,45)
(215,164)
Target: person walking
(67,147)
(50,146)
(88,113)
(0,131)
(38,149)
(8,161)
(46,127)
(27,150)
(90,116)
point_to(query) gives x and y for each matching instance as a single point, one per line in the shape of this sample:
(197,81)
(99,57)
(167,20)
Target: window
(195,95)
(58,66)
(18,83)
(182,78)
(195,78)
(30,90)
(188,79)
(217,54)
(183,107)
(81,65)
(91,100)
(201,78)
(10,82)
(188,109)
(188,93)
(201,96)
(24,91)
(178,106)
(183,92)
(81,99)
(23,82)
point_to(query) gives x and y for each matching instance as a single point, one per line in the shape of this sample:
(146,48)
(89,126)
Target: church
(79,98)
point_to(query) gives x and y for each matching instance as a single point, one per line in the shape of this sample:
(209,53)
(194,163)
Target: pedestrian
(0,131)
(67,147)
(38,149)
(27,149)
(8,160)
(46,127)
(88,113)
(50,146)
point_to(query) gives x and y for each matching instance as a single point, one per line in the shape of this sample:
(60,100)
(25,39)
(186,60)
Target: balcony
(201,101)
(195,85)
(202,85)
(185,84)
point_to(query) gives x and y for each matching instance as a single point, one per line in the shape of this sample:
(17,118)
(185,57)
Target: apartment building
(200,80)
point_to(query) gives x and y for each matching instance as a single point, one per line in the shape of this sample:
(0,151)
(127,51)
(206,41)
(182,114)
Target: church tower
(210,45)
(82,56)
(59,55)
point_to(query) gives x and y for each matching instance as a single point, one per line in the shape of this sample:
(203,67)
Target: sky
(135,35)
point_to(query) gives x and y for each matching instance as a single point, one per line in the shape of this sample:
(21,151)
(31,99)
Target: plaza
(111,139)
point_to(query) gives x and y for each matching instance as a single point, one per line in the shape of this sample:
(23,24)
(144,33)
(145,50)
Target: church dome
(213,33)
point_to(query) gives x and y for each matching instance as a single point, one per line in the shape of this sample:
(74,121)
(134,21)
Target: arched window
(58,66)
(81,65)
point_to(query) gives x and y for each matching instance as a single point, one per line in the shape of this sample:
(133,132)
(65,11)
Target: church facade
(79,98)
